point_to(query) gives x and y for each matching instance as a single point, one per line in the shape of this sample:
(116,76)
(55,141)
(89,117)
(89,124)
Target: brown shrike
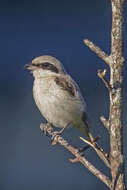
(57,95)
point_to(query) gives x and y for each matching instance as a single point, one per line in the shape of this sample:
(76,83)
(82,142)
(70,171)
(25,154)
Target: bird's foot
(56,134)
(54,137)
(45,127)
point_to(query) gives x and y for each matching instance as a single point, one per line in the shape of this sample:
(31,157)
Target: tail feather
(83,128)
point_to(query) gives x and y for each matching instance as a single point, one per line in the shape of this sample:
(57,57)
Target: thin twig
(105,122)
(98,51)
(101,75)
(78,158)
(101,153)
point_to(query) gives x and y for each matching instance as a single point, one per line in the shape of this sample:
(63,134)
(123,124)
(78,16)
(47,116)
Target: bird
(58,96)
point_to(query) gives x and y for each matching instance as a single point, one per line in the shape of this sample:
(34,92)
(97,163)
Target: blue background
(32,28)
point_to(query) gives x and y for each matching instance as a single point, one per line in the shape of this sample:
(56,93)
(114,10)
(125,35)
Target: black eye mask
(47,66)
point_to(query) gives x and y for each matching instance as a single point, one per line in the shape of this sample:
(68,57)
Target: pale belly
(56,107)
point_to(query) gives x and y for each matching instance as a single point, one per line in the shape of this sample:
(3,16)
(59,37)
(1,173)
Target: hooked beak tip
(28,66)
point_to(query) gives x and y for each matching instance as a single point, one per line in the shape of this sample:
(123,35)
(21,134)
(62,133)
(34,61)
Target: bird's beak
(30,67)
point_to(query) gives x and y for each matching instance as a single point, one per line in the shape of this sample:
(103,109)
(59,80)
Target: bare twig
(103,155)
(101,75)
(78,157)
(105,122)
(98,51)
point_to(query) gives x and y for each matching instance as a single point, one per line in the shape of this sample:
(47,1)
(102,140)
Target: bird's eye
(45,64)
(48,66)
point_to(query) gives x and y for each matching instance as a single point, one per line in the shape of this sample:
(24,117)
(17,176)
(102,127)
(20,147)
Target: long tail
(84,129)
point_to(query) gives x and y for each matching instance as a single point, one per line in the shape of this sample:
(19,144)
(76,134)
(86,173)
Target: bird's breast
(41,93)
(55,104)
(47,98)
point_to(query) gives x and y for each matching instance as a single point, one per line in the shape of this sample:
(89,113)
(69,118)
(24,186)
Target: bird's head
(45,65)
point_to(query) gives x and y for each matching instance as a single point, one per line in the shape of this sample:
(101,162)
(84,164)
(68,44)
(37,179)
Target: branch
(98,51)
(105,122)
(78,158)
(116,106)
(101,75)
(103,155)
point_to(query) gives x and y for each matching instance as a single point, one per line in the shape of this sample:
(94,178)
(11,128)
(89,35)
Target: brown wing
(66,83)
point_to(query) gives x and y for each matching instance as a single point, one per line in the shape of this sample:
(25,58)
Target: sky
(58,28)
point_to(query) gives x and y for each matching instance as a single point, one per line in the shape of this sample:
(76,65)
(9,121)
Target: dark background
(32,28)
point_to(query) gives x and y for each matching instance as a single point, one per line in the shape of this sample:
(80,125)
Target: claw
(45,127)
(56,134)
(54,137)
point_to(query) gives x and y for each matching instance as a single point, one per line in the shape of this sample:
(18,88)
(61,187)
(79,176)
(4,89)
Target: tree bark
(115,117)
